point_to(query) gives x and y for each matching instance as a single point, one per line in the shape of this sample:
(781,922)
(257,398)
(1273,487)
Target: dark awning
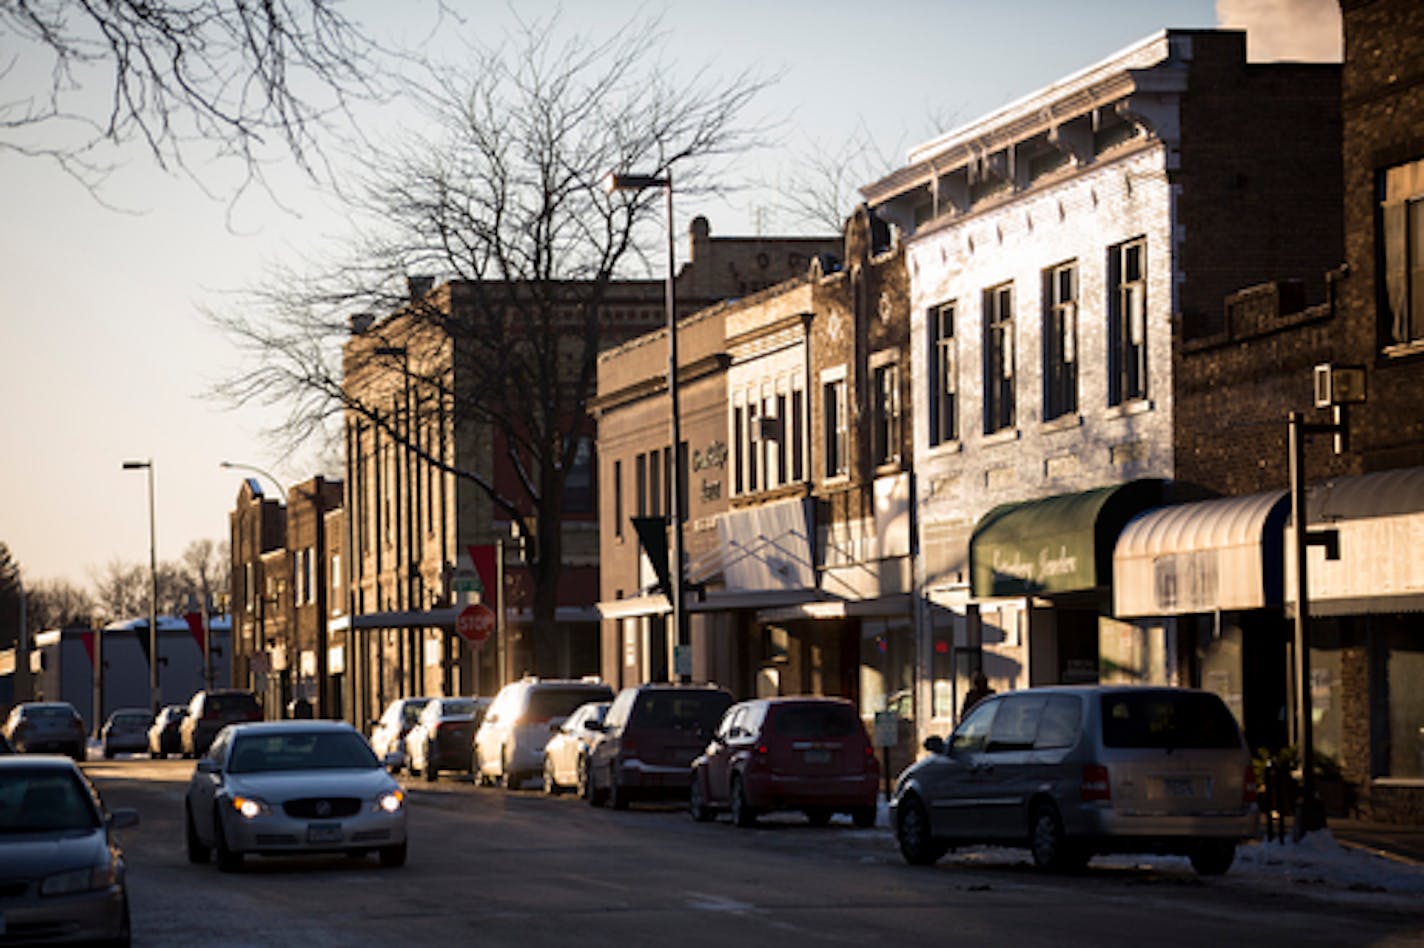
(1056,544)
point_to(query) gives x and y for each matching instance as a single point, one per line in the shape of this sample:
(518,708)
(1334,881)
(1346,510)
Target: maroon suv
(809,754)
(649,739)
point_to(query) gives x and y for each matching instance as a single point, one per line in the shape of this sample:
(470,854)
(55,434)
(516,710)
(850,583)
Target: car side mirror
(206,765)
(123,818)
(392,761)
(935,744)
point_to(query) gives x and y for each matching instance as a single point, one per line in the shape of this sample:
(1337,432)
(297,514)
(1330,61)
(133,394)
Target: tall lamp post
(154,698)
(639,182)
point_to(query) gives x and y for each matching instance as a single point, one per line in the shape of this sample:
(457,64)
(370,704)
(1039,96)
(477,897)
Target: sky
(105,355)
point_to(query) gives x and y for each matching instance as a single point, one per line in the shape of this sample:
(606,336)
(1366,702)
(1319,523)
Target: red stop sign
(475,623)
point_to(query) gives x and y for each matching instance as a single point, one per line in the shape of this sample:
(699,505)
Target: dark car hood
(32,855)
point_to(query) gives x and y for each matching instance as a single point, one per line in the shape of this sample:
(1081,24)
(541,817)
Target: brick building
(412,520)
(257,526)
(1058,250)
(1240,382)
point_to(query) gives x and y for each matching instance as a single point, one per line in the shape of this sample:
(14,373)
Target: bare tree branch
(192,82)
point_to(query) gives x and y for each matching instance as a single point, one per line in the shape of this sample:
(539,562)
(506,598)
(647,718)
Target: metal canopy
(1056,544)
(1201,557)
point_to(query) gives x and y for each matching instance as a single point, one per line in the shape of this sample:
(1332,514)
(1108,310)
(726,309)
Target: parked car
(1074,771)
(63,868)
(808,754)
(509,746)
(443,737)
(211,711)
(165,735)
(388,732)
(38,727)
(280,788)
(126,730)
(5,747)
(566,753)
(650,737)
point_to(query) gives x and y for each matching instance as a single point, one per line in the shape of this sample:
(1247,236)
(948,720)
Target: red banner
(195,625)
(88,639)
(482,555)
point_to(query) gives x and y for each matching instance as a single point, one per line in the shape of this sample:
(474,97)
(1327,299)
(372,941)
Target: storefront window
(1401,651)
(887,667)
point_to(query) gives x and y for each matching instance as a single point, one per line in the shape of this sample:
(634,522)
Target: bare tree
(10,597)
(502,192)
(121,591)
(206,569)
(56,603)
(207,79)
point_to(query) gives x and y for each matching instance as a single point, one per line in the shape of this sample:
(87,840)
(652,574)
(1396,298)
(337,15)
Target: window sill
(1062,423)
(946,447)
(1403,783)
(1003,436)
(1403,350)
(1135,407)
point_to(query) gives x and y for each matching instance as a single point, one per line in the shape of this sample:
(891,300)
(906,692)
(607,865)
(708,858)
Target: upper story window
(944,376)
(1060,340)
(836,422)
(618,499)
(1127,321)
(769,434)
(1401,264)
(998,358)
(885,413)
(640,485)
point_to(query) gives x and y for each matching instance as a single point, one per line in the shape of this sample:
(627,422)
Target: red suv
(648,740)
(809,754)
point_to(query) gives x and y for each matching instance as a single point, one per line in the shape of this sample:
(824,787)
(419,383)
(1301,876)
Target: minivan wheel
(1213,857)
(912,832)
(863,817)
(617,793)
(1051,848)
(393,857)
(818,816)
(742,813)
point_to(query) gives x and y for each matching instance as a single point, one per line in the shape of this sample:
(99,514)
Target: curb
(1382,853)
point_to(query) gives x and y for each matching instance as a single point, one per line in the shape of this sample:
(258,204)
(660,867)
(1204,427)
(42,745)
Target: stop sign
(475,623)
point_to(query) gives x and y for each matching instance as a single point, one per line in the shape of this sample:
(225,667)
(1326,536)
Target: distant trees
(193,82)
(120,590)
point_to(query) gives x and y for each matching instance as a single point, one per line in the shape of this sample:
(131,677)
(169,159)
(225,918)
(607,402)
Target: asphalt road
(498,868)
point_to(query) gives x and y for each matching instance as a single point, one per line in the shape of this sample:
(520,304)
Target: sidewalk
(1401,842)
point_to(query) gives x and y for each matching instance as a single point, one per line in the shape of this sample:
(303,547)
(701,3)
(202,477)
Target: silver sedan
(278,788)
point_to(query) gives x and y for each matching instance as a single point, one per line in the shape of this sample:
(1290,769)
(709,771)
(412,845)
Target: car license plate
(818,757)
(1180,787)
(323,832)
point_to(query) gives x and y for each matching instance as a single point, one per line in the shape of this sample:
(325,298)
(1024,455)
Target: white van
(509,746)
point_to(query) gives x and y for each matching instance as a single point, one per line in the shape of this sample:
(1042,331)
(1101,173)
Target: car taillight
(871,764)
(1248,785)
(762,750)
(1096,785)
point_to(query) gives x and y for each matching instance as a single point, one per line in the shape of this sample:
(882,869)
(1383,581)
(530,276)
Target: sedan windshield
(299,750)
(39,801)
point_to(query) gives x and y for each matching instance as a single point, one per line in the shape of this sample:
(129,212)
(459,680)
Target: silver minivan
(1070,772)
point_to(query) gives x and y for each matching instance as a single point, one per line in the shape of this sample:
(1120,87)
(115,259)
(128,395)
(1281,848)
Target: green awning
(1056,544)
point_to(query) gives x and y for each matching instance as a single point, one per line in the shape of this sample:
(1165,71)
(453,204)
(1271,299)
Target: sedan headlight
(251,807)
(392,801)
(86,879)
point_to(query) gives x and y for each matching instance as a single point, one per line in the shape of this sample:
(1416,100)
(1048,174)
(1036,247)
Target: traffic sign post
(475,623)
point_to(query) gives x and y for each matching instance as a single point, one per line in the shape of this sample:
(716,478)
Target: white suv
(509,746)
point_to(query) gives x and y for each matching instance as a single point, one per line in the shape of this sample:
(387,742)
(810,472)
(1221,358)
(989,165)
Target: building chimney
(418,286)
(360,322)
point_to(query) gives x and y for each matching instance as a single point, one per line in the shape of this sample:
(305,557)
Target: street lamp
(235,466)
(639,182)
(154,699)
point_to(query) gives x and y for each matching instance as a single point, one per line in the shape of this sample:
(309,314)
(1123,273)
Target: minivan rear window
(685,710)
(546,703)
(224,704)
(1168,720)
(815,721)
